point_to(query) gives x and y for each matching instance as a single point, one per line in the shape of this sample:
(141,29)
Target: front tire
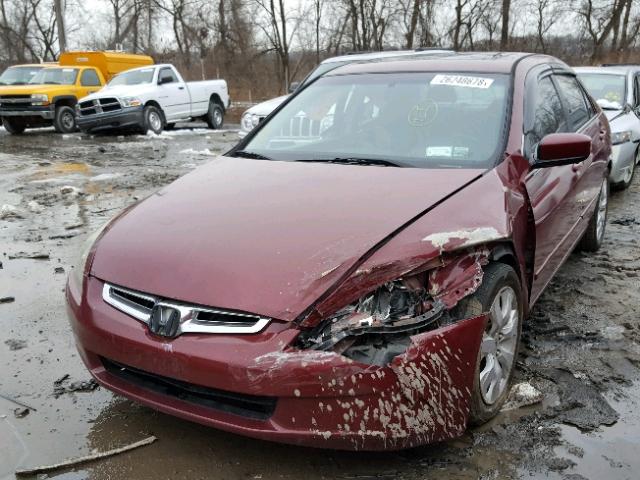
(594,235)
(626,182)
(215,115)
(499,294)
(65,119)
(14,127)
(153,120)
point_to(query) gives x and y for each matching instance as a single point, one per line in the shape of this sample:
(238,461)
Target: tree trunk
(504,33)
(62,34)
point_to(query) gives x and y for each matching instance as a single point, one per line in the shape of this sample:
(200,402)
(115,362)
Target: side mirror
(293,86)
(558,149)
(163,80)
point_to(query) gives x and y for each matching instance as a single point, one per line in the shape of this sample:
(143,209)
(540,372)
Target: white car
(152,98)
(616,88)
(254,115)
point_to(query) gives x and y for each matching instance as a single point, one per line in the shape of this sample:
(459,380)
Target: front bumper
(127,117)
(44,112)
(319,399)
(622,157)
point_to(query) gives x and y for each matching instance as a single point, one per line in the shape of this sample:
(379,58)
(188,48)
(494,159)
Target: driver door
(551,190)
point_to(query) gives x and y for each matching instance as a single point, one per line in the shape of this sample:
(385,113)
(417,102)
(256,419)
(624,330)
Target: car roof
(608,69)
(358,57)
(487,62)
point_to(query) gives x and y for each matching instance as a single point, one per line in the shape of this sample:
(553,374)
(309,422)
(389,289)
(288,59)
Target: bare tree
(600,18)
(59,8)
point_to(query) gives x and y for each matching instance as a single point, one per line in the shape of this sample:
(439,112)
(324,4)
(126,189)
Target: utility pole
(58,6)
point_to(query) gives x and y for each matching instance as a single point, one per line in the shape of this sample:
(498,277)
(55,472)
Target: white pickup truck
(153,99)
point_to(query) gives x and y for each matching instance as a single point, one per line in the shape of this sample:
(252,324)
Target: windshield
(134,77)
(426,120)
(55,76)
(18,75)
(609,90)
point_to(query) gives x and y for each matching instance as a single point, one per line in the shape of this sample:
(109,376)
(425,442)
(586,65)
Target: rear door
(174,96)
(552,191)
(585,118)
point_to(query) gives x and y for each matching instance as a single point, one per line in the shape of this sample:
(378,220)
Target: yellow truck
(50,96)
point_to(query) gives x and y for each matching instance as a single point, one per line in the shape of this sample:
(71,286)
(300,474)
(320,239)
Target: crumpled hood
(265,108)
(265,237)
(120,91)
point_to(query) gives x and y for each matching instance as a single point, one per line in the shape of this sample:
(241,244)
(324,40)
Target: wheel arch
(64,101)
(216,99)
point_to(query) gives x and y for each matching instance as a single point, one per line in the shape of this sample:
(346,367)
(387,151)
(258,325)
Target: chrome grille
(193,318)
(101,105)
(15,100)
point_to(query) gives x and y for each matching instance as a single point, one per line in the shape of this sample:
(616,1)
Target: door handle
(180,88)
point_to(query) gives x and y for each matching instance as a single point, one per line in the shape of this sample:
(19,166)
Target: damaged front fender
(423,395)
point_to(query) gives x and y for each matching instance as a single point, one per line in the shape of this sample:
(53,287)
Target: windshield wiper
(248,154)
(355,161)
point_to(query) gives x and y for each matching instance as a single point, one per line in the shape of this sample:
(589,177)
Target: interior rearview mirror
(562,149)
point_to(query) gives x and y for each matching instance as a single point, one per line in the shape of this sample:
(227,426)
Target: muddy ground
(580,346)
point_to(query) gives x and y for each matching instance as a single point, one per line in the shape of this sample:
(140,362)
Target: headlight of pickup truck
(131,102)
(620,137)
(39,99)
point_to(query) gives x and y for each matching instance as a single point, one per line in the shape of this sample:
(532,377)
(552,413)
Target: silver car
(616,88)
(254,115)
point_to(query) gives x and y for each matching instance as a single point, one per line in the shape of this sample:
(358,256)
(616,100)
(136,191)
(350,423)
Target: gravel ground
(580,345)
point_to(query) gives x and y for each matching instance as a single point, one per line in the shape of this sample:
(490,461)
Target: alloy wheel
(601,216)
(498,347)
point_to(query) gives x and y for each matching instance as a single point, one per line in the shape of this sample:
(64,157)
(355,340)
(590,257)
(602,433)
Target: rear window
(426,120)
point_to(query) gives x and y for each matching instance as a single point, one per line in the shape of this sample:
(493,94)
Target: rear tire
(499,294)
(215,115)
(153,120)
(14,127)
(65,119)
(592,239)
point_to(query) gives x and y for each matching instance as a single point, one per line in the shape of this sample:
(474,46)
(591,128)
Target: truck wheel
(65,120)
(153,120)
(593,236)
(14,127)
(215,115)
(499,295)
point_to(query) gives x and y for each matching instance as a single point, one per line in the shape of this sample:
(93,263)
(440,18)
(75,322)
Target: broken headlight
(396,307)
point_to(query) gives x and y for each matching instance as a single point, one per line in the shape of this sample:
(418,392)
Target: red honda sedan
(355,273)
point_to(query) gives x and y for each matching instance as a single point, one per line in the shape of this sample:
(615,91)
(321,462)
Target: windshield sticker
(462,81)
(439,151)
(460,152)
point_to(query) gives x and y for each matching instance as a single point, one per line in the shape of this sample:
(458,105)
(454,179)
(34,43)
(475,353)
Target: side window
(89,78)
(577,104)
(167,76)
(549,115)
